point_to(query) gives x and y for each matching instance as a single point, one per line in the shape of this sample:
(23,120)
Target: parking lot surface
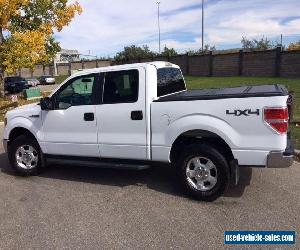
(89,208)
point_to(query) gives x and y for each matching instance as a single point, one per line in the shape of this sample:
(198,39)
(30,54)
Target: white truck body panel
(244,134)
(64,132)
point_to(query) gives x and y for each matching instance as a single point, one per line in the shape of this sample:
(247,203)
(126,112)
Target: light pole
(202,24)
(158,19)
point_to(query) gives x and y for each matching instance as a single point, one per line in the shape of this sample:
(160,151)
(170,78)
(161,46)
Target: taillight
(277,119)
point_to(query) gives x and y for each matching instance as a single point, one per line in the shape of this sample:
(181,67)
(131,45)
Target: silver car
(33,82)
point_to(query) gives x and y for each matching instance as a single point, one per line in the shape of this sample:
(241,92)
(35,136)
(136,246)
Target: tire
(29,152)
(203,172)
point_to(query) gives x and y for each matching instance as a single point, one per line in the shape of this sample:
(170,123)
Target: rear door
(121,118)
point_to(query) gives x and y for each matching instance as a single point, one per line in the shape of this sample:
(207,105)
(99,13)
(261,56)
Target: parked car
(142,114)
(15,84)
(32,82)
(44,80)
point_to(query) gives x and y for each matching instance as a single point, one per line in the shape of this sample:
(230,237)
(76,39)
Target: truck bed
(222,93)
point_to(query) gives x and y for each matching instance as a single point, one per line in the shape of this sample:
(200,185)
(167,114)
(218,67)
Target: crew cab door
(71,128)
(121,118)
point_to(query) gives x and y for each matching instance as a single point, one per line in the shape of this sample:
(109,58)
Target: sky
(105,27)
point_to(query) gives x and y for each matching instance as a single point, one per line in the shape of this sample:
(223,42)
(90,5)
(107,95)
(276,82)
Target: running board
(98,162)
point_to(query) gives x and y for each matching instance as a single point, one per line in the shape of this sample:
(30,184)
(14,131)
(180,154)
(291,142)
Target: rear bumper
(281,159)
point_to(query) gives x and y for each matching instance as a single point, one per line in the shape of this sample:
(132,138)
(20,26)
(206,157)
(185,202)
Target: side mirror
(47,103)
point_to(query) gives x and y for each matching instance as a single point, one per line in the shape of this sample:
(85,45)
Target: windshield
(169,80)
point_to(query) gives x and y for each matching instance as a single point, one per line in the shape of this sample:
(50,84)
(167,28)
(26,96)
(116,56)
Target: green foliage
(133,52)
(169,52)
(260,44)
(38,13)
(207,48)
(295,132)
(52,47)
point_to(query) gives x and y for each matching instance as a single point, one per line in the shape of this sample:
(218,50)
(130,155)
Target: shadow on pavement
(159,178)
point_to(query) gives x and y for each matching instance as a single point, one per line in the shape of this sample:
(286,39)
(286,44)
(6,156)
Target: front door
(71,129)
(121,117)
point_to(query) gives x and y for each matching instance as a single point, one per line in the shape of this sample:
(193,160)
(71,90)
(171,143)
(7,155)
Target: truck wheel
(25,156)
(203,171)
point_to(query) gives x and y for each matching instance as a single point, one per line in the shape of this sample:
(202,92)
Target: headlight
(5,121)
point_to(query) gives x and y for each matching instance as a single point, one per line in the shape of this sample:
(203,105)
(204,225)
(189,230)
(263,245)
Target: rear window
(169,80)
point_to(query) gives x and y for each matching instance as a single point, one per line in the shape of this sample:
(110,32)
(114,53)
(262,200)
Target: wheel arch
(190,137)
(18,131)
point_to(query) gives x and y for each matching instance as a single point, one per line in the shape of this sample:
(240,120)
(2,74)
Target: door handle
(89,117)
(136,115)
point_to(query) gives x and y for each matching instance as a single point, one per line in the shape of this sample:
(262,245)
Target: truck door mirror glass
(47,103)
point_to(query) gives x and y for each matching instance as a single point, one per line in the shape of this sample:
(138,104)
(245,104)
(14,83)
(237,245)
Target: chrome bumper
(281,159)
(5,142)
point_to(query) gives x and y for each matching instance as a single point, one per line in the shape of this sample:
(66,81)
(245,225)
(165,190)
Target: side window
(76,93)
(121,87)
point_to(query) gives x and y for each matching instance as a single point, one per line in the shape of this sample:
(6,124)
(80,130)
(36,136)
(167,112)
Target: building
(66,56)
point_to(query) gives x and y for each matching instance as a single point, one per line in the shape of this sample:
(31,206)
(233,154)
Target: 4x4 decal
(245,112)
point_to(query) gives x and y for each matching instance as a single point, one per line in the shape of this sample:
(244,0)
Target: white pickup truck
(141,114)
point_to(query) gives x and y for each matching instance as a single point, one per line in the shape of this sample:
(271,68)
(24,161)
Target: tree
(169,52)
(294,46)
(260,44)
(207,48)
(133,52)
(29,27)
(38,13)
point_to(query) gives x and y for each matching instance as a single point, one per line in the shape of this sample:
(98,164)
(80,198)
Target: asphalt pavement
(90,208)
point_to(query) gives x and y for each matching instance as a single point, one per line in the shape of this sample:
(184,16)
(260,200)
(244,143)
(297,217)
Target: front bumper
(5,143)
(281,159)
